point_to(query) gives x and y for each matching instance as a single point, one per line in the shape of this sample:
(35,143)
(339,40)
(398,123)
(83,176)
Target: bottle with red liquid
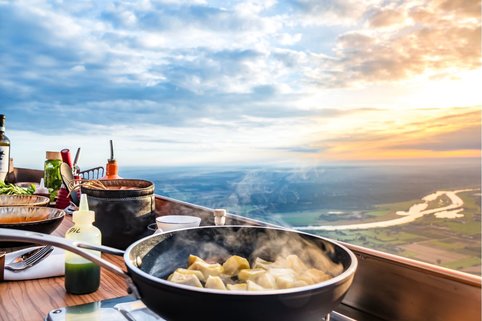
(111,168)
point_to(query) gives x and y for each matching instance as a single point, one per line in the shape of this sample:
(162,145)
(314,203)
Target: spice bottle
(219,216)
(111,168)
(41,189)
(81,275)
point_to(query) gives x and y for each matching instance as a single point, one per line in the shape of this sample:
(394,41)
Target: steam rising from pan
(161,254)
(218,244)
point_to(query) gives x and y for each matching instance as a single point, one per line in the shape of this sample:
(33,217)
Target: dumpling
(259,263)
(250,274)
(197,273)
(234,264)
(237,287)
(215,282)
(296,263)
(266,280)
(277,272)
(312,276)
(284,277)
(280,262)
(186,279)
(252,286)
(207,269)
(285,282)
(193,258)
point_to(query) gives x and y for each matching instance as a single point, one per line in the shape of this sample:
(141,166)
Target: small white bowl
(175,222)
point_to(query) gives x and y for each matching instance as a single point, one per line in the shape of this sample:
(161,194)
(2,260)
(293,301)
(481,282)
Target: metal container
(123,210)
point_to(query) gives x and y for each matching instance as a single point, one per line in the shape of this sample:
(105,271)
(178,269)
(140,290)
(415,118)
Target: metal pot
(153,258)
(122,215)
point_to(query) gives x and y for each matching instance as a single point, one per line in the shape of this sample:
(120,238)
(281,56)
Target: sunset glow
(198,82)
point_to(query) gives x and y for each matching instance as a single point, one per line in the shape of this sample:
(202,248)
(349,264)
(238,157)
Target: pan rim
(341,278)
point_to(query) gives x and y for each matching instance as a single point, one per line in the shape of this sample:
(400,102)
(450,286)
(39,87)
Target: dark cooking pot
(123,210)
(153,258)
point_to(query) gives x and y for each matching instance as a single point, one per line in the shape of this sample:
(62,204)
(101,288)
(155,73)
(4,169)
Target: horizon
(198,83)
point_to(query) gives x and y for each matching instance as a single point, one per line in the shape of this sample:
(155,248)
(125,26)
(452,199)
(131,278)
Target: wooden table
(33,299)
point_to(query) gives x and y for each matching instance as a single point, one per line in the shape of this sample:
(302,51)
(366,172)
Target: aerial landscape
(409,210)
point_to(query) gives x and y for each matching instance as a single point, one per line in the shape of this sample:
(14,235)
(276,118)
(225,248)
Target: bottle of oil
(81,275)
(4,150)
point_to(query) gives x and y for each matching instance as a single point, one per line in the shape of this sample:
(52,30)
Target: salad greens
(12,189)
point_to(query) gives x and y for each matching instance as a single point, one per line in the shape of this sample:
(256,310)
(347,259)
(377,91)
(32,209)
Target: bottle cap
(83,215)
(219,212)
(66,156)
(53,155)
(2,123)
(41,189)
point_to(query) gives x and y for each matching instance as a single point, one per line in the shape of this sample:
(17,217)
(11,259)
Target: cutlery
(29,259)
(76,158)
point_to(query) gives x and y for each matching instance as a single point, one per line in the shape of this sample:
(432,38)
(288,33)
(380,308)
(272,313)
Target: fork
(30,261)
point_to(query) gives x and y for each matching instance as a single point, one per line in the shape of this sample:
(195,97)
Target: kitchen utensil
(29,259)
(76,158)
(69,182)
(122,210)
(153,258)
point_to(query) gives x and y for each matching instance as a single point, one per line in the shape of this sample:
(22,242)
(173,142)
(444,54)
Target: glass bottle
(4,150)
(52,176)
(111,168)
(81,275)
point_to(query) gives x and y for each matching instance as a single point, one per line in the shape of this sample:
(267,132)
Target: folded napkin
(52,265)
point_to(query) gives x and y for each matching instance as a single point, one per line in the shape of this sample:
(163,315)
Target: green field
(453,243)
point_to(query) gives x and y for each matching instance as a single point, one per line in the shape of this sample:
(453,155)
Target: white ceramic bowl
(175,222)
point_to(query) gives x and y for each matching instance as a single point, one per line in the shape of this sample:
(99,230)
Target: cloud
(300,149)
(243,69)
(425,39)
(325,12)
(460,139)
(463,8)
(454,132)
(386,17)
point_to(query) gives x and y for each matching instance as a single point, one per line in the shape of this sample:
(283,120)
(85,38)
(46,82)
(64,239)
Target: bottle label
(4,158)
(83,233)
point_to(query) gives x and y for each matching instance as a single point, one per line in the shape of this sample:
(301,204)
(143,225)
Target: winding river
(416,211)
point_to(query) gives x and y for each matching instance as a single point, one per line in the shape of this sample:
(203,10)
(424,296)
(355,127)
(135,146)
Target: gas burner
(126,308)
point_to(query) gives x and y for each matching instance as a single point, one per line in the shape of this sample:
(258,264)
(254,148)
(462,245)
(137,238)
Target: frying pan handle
(71,246)
(101,248)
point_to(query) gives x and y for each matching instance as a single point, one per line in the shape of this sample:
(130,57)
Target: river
(415,212)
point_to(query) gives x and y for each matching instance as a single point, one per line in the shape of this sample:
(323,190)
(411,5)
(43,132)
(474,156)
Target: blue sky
(203,82)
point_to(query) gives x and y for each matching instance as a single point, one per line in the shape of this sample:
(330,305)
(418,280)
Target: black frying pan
(150,260)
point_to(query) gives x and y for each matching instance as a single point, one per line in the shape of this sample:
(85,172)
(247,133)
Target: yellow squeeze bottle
(81,275)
